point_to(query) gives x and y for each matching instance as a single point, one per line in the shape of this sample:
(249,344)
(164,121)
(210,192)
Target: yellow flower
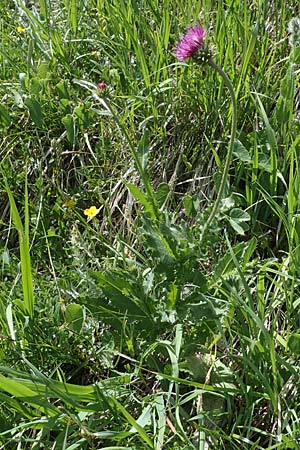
(69,203)
(91,212)
(20,29)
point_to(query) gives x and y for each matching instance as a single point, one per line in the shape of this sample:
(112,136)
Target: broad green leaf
(18,99)
(227,203)
(35,111)
(238,220)
(74,316)
(69,124)
(172,296)
(162,193)
(35,86)
(62,90)
(65,106)
(264,162)
(83,116)
(191,205)
(20,390)
(44,71)
(241,152)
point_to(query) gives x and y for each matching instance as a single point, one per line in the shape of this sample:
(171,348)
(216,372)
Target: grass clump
(135,311)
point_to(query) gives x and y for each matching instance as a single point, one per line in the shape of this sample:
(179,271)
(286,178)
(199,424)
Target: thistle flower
(294,30)
(102,85)
(192,44)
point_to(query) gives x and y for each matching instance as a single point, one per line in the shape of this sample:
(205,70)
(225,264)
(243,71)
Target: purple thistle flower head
(102,85)
(191,43)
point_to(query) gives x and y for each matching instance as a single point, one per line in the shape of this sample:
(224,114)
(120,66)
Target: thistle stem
(229,86)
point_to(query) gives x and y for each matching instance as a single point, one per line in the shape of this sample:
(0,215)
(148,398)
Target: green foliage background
(129,330)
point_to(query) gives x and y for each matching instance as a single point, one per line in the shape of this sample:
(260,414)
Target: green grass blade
(273,147)
(28,292)
(133,422)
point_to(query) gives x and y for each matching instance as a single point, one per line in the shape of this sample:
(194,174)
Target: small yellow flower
(69,203)
(91,212)
(20,29)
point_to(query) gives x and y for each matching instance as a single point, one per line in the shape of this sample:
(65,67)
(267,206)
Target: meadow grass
(153,321)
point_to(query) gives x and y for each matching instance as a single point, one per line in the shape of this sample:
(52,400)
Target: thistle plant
(193,46)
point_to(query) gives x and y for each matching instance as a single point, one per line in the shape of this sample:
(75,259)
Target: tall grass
(24,245)
(131,330)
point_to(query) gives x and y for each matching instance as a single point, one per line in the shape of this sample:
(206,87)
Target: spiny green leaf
(143,199)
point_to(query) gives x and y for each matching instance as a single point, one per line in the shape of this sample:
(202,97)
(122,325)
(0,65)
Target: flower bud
(294,30)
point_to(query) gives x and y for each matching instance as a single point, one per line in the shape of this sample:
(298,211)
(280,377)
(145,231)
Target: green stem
(229,86)
(143,175)
(134,153)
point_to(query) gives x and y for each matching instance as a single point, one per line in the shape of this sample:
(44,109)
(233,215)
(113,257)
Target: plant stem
(230,146)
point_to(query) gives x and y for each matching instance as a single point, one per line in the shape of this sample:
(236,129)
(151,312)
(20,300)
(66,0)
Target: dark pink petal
(102,85)
(191,43)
